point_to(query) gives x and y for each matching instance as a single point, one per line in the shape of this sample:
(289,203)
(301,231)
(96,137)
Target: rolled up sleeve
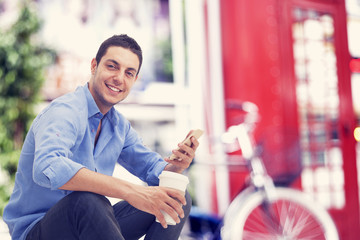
(55,134)
(57,174)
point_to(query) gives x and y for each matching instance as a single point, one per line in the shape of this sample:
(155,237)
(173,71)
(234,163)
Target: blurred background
(297,60)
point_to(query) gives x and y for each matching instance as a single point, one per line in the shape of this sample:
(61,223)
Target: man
(69,154)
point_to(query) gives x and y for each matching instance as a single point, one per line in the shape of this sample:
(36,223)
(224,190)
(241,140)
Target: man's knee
(89,203)
(86,198)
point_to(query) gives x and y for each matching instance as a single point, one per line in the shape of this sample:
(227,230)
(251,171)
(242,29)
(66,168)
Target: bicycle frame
(242,133)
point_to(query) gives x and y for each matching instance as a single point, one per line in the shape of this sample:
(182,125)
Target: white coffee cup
(176,181)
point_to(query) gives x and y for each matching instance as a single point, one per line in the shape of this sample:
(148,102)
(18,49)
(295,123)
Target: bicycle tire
(295,217)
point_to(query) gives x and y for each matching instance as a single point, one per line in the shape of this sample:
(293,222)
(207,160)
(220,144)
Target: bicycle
(263,210)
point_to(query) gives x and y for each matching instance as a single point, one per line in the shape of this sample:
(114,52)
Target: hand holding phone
(195,133)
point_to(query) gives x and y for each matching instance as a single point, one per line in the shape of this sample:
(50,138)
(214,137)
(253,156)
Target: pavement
(4,231)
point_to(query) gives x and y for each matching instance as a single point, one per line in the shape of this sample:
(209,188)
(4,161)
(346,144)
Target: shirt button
(93,130)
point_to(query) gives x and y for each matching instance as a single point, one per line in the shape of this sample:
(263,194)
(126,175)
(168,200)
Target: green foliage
(164,64)
(22,65)
(8,164)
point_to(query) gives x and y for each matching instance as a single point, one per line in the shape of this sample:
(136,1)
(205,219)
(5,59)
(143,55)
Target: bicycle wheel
(293,216)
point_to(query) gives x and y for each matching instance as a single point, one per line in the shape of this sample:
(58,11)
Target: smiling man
(69,154)
(113,77)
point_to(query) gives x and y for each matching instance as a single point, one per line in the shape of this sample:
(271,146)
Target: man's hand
(185,154)
(153,200)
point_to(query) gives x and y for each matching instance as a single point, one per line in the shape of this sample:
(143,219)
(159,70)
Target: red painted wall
(252,72)
(258,67)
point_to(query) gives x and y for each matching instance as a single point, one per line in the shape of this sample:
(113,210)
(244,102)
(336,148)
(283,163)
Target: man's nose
(119,78)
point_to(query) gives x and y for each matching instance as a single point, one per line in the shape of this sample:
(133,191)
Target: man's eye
(130,74)
(110,66)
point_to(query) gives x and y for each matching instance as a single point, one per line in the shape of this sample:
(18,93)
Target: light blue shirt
(59,143)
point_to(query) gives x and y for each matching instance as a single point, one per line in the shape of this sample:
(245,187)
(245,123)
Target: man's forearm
(90,181)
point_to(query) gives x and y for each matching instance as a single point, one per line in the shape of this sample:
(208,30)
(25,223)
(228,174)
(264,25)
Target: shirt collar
(113,116)
(93,109)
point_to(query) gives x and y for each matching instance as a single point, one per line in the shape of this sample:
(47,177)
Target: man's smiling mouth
(113,88)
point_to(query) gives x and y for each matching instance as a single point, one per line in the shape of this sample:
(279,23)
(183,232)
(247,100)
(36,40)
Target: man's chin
(115,101)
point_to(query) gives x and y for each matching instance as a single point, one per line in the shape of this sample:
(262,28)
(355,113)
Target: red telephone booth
(291,58)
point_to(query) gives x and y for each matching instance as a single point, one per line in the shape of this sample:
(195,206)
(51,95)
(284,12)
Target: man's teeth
(114,89)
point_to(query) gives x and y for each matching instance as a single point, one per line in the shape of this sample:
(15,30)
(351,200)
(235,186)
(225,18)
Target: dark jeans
(89,216)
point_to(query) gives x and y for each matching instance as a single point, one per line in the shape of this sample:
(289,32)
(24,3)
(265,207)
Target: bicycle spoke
(293,225)
(305,226)
(287,221)
(249,235)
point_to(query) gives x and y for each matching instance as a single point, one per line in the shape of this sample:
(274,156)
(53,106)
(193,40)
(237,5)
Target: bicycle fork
(258,175)
(263,183)
(259,178)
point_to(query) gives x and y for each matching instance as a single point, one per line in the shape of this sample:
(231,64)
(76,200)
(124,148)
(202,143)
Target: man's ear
(93,66)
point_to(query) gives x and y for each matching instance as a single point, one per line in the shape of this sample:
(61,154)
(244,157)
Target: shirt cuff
(153,180)
(60,172)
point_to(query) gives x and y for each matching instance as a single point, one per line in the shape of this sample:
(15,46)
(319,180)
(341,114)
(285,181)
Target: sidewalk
(4,231)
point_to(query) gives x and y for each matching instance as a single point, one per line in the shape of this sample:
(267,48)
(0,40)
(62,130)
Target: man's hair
(122,40)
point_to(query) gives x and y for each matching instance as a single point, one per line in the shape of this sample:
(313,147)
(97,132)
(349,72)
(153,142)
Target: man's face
(112,78)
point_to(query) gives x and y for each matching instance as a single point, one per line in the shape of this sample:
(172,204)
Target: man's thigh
(80,215)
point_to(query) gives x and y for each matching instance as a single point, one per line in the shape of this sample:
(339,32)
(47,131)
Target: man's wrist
(172,168)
